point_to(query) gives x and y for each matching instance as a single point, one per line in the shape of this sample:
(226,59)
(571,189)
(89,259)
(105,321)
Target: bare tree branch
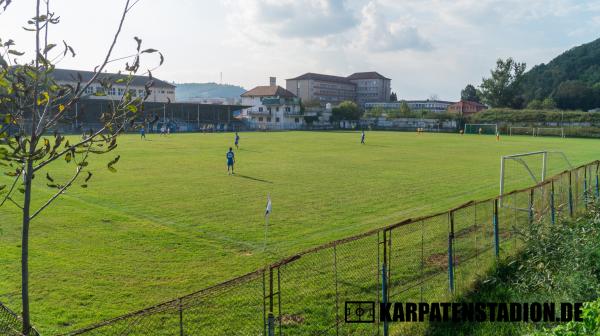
(60,192)
(11,189)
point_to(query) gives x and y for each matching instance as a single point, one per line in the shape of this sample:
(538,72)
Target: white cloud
(268,20)
(380,35)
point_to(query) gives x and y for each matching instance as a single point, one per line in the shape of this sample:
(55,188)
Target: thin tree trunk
(25,249)
(28,178)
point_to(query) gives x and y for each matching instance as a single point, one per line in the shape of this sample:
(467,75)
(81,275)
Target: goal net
(521,130)
(550,131)
(523,170)
(481,129)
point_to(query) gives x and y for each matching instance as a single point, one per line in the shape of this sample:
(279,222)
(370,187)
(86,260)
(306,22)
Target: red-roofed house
(466,108)
(272,107)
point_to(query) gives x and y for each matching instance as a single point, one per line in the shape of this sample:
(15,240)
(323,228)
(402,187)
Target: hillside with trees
(191,91)
(572,79)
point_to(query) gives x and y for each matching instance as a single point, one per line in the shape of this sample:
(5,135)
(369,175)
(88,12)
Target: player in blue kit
(237,140)
(230,161)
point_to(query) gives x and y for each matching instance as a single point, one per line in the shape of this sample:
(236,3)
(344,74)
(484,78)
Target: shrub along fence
(427,259)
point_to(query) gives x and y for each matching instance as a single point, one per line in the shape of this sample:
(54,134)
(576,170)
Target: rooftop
(366,75)
(269,91)
(321,77)
(71,75)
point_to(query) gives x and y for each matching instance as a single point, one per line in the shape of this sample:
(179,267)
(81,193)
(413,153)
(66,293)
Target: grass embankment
(557,264)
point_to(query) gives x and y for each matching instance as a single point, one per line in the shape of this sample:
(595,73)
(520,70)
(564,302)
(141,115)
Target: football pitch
(171,221)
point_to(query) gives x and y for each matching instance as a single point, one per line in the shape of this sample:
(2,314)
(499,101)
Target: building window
(297,120)
(269,119)
(120,91)
(89,90)
(260,109)
(277,109)
(277,119)
(260,119)
(288,109)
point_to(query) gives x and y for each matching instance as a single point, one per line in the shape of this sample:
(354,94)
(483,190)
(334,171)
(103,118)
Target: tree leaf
(88,177)
(68,157)
(49,47)
(84,185)
(150,51)
(138,41)
(49,178)
(17,53)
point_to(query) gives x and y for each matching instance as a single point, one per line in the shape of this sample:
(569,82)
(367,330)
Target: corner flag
(268,210)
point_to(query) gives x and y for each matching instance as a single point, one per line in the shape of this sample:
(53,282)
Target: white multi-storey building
(272,107)
(161,91)
(436,106)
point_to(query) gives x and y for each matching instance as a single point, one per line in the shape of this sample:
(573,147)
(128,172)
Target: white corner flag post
(267,213)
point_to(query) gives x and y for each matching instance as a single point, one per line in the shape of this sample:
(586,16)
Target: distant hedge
(511,116)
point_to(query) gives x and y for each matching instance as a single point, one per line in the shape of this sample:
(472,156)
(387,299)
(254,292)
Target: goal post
(521,130)
(536,177)
(550,131)
(481,129)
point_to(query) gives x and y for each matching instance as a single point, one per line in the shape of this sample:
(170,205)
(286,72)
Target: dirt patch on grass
(440,260)
(291,319)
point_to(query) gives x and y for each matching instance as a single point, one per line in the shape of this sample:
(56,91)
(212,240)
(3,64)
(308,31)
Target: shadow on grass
(253,178)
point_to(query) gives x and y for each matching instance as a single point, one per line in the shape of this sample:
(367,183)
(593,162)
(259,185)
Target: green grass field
(171,221)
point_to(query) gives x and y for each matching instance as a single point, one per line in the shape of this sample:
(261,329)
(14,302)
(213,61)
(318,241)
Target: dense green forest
(572,79)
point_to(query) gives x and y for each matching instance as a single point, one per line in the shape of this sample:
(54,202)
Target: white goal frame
(518,158)
(479,126)
(562,130)
(510,130)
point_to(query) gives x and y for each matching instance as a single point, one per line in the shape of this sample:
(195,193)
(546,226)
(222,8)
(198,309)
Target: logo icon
(359,312)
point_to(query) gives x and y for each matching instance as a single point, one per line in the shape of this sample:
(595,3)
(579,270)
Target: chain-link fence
(11,324)
(323,291)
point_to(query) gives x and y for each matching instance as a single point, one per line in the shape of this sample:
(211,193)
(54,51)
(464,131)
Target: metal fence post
(552,209)
(264,302)
(384,295)
(337,293)
(597,184)
(450,254)
(531,200)
(496,234)
(585,187)
(570,193)
(180,317)
(271,318)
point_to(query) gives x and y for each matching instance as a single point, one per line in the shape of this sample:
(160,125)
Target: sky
(427,47)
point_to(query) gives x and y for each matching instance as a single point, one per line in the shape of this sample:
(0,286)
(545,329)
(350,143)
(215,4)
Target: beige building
(360,87)
(161,91)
